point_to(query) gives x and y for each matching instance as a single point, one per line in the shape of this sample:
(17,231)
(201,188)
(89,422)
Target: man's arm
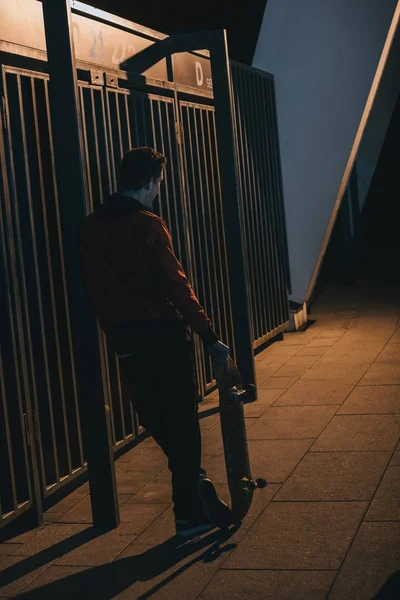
(174,284)
(176,287)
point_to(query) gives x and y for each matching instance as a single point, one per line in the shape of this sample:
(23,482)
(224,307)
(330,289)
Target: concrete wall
(378,122)
(324,55)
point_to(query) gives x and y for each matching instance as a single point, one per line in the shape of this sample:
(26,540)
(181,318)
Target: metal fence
(260,191)
(40,441)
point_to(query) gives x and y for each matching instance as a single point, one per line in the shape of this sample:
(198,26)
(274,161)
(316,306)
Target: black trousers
(160,380)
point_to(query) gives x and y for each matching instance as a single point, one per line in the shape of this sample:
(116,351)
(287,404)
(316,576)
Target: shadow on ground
(391,589)
(107,581)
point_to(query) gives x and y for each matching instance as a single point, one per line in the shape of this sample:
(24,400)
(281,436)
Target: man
(147,310)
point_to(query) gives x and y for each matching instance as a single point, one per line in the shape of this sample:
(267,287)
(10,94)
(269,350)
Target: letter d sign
(199,73)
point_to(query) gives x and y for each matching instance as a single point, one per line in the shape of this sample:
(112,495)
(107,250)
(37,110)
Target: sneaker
(215,508)
(191,527)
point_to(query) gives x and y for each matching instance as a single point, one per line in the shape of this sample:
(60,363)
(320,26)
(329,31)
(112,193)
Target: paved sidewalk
(325,434)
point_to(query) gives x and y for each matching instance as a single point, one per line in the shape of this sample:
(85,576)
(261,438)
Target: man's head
(141,174)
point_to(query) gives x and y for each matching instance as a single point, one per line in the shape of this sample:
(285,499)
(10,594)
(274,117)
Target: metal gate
(40,441)
(260,191)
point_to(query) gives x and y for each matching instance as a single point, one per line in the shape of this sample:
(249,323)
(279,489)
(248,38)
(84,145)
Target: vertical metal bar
(256,138)
(109,129)
(180,142)
(228,173)
(252,202)
(269,207)
(259,233)
(285,248)
(273,225)
(28,218)
(278,198)
(127,112)
(71,186)
(66,343)
(218,251)
(243,175)
(186,156)
(215,266)
(222,243)
(18,341)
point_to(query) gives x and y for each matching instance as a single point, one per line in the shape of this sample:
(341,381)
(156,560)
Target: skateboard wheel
(261,483)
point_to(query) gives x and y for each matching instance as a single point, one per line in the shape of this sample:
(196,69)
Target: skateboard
(233,427)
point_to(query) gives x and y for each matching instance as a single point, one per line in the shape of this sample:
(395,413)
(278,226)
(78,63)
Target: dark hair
(139,165)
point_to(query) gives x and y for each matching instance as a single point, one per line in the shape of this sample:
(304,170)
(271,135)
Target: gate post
(223,100)
(66,128)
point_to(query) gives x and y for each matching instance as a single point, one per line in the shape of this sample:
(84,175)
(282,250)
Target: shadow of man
(109,580)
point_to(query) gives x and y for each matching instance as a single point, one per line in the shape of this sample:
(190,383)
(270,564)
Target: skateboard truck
(251,485)
(247,395)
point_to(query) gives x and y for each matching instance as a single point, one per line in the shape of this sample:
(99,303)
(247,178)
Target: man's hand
(219,352)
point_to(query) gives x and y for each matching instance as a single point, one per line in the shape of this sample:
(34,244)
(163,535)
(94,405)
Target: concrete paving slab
(154,492)
(382,374)
(386,503)
(82,511)
(372,399)
(322,342)
(208,423)
(395,462)
(313,351)
(135,517)
(272,459)
(67,503)
(265,399)
(280,351)
(230,584)
(296,366)
(374,557)
(58,537)
(185,578)
(395,339)
(22,537)
(62,577)
(16,574)
(277,383)
(102,549)
(150,458)
(335,476)
(268,371)
(390,353)
(131,481)
(51,517)
(301,535)
(292,422)
(7,549)
(315,393)
(344,371)
(359,433)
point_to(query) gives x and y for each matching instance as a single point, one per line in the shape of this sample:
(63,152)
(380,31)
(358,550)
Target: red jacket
(133,280)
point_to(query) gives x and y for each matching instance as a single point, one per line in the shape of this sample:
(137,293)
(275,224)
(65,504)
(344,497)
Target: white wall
(324,55)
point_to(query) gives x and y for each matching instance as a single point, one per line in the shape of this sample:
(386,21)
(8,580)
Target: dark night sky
(241,20)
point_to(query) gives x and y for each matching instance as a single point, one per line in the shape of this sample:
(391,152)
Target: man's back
(115,244)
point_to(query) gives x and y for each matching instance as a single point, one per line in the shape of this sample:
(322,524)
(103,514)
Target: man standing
(147,310)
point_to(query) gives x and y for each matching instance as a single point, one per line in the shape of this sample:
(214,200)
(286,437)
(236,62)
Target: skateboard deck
(233,427)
